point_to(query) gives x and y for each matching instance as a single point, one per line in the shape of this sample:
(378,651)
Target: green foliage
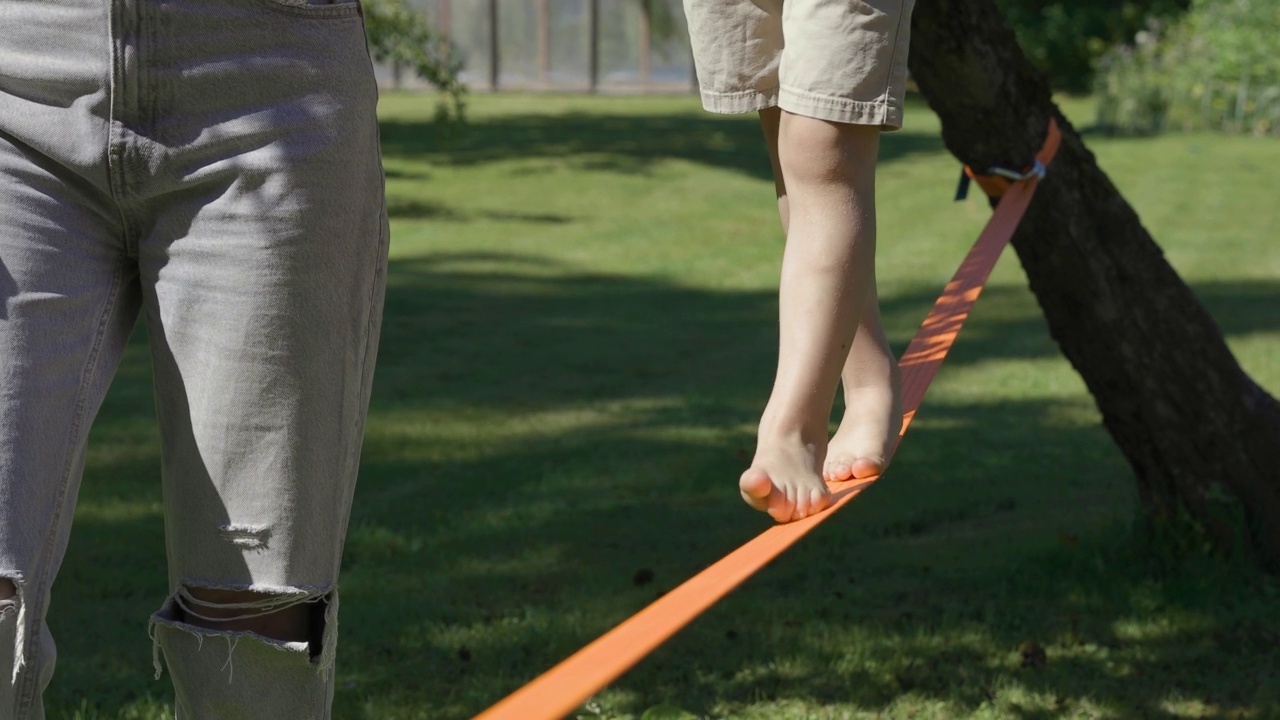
(663,23)
(1065,38)
(1215,70)
(398,34)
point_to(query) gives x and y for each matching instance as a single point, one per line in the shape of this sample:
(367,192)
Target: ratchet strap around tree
(563,688)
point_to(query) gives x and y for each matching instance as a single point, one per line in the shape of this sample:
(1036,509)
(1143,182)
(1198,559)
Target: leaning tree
(1202,437)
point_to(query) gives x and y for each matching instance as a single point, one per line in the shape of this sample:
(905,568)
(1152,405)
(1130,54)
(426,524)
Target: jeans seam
(378,269)
(146,77)
(366,367)
(115,141)
(35,599)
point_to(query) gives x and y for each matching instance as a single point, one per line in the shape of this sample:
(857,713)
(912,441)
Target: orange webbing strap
(566,686)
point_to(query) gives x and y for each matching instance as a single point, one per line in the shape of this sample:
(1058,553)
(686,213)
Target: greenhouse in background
(608,46)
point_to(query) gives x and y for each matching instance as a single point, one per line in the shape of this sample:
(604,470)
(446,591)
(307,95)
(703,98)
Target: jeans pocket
(330,9)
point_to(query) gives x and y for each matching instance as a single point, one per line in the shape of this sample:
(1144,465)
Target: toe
(801,508)
(813,501)
(837,470)
(781,508)
(821,500)
(866,467)
(756,488)
(781,504)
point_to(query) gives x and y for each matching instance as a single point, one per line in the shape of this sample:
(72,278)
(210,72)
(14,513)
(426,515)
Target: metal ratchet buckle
(1037,171)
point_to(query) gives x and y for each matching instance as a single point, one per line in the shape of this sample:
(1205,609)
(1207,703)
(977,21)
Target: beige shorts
(838,60)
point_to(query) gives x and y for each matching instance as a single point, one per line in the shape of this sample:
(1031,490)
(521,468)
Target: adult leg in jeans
(262,273)
(259,231)
(68,300)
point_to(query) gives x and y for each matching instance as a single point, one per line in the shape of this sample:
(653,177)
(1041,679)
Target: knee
(279,617)
(812,151)
(7,589)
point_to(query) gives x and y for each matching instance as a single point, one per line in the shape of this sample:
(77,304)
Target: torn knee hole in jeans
(205,618)
(12,609)
(265,602)
(246,537)
(10,593)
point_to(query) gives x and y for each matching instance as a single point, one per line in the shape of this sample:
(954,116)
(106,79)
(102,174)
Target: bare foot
(783,481)
(872,419)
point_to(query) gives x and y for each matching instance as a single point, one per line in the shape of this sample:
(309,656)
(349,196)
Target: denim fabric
(214,166)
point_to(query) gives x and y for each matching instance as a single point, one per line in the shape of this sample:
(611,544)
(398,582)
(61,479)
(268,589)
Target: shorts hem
(882,113)
(736,103)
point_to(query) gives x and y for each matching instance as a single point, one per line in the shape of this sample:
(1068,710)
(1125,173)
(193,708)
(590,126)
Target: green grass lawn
(580,333)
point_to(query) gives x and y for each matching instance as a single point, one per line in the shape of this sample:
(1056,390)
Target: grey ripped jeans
(214,165)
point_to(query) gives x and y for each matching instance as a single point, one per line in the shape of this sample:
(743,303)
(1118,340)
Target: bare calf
(234,610)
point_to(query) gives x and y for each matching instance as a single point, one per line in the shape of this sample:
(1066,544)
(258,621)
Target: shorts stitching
(893,59)
(740,102)
(833,101)
(741,93)
(842,110)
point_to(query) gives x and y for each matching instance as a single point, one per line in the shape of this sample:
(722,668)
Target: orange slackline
(566,686)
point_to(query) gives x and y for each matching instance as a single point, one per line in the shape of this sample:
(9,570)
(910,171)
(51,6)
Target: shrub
(1065,38)
(398,34)
(1217,69)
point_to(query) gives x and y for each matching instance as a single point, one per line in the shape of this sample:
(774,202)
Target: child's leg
(872,402)
(871,381)
(828,180)
(843,76)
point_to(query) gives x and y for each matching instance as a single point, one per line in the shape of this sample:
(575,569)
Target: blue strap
(962,190)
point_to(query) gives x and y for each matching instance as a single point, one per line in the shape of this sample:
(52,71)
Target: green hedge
(1216,69)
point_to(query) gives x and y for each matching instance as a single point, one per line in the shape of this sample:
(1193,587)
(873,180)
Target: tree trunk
(1203,438)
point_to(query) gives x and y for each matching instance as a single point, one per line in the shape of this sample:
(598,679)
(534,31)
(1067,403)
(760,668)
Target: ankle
(777,431)
(888,385)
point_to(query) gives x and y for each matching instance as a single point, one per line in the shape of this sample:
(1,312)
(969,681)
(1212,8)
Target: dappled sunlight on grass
(108,510)
(579,337)
(1155,627)
(452,432)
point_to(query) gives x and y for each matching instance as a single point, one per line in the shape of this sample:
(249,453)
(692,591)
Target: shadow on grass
(618,143)
(399,207)
(479,558)
(512,332)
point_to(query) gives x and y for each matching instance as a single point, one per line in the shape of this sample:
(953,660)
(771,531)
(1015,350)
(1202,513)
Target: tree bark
(1202,437)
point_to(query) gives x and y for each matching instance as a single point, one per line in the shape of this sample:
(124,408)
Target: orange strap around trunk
(566,686)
